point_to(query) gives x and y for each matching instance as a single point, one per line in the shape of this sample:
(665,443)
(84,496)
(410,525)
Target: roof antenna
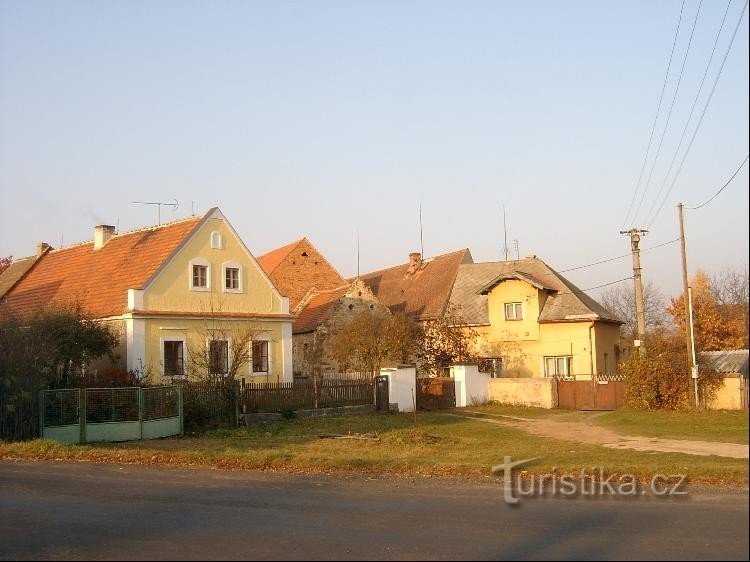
(357,252)
(159,204)
(192,208)
(515,246)
(117,228)
(421,239)
(505,235)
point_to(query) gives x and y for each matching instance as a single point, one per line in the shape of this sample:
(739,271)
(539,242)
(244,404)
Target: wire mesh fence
(61,407)
(112,405)
(161,402)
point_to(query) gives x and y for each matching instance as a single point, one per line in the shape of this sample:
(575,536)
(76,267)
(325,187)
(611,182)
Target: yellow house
(188,299)
(533,322)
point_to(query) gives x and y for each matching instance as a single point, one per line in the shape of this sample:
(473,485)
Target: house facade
(187,299)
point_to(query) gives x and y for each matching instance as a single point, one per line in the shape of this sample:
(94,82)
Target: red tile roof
(271,260)
(316,309)
(422,295)
(99,279)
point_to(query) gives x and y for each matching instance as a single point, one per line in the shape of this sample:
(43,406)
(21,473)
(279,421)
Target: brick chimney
(102,234)
(41,248)
(415,261)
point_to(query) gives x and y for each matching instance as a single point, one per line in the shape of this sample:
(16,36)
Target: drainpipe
(591,350)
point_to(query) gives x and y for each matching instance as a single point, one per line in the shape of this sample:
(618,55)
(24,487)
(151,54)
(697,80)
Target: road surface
(90,511)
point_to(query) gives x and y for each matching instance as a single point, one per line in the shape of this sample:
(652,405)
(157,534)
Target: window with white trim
(200,275)
(232,276)
(513,311)
(174,358)
(260,357)
(558,366)
(217,242)
(218,357)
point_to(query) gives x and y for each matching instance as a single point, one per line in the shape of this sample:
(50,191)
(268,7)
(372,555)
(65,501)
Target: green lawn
(712,425)
(440,445)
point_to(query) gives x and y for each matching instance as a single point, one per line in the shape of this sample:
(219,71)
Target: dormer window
(513,311)
(217,242)
(200,275)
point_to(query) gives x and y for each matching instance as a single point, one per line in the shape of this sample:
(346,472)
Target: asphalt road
(89,511)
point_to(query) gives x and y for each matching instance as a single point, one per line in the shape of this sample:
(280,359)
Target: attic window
(351,307)
(217,243)
(304,254)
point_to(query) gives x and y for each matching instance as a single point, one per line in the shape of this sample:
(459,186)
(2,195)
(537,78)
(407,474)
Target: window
(513,311)
(558,366)
(232,278)
(218,357)
(174,362)
(216,242)
(200,276)
(260,356)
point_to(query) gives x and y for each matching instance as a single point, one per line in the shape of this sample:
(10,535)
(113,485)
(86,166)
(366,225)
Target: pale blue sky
(321,118)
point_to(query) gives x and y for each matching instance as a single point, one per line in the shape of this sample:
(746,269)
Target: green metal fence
(87,415)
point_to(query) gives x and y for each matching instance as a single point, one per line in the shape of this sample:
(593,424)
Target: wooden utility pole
(635,239)
(689,334)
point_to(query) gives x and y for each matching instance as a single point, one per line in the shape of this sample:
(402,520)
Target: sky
(337,120)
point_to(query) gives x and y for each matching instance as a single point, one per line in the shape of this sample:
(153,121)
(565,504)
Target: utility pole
(635,239)
(689,334)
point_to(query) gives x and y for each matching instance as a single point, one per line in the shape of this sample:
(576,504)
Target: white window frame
(217,240)
(204,263)
(270,358)
(229,355)
(556,358)
(181,339)
(513,306)
(231,265)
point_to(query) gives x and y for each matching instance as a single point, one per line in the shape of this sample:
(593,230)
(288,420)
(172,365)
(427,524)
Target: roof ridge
(129,232)
(407,263)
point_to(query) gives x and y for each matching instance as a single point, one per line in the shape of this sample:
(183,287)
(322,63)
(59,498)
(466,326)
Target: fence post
(41,414)
(140,409)
(236,396)
(82,415)
(179,407)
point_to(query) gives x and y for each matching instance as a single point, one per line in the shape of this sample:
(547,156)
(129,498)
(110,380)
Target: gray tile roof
(565,302)
(14,272)
(733,361)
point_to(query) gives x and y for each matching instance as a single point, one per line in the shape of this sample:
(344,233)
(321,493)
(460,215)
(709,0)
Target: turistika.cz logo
(590,483)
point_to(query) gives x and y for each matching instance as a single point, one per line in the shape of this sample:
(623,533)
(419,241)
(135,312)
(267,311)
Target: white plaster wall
(402,387)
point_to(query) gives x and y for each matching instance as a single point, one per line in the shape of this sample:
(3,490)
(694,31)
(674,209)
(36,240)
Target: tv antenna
(505,235)
(159,204)
(421,239)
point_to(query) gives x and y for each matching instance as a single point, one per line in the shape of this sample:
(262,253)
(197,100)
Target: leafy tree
(5,263)
(446,340)
(660,379)
(719,319)
(373,338)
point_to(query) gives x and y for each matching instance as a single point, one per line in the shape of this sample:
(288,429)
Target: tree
(5,263)
(446,340)
(659,379)
(373,338)
(719,312)
(620,301)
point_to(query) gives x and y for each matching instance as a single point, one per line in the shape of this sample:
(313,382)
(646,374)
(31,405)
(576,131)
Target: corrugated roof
(731,361)
(422,295)
(271,260)
(14,273)
(99,279)
(565,301)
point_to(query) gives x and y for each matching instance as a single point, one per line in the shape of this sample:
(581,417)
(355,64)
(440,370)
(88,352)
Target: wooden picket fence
(308,394)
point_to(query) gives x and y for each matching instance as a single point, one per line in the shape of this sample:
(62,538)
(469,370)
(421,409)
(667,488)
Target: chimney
(102,234)
(41,248)
(415,260)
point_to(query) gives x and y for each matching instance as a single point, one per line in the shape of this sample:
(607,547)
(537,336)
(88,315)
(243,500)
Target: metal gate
(381,394)
(593,394)
(436,393)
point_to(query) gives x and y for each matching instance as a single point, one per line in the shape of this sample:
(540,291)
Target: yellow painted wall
(197,331)
(729,396)
(171,289)
(524,344)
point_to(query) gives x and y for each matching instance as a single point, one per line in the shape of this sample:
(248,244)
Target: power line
(692,110)
(592,288)
(715,195)
(669,114)
(703,114)
(656,117)
(607,260)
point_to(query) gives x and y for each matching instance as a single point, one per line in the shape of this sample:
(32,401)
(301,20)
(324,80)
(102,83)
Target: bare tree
(620,301)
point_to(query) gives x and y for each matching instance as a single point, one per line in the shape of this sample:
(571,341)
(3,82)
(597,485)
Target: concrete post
(402,386)
(472,387)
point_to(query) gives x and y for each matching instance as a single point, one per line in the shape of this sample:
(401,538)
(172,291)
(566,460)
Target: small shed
(733,365)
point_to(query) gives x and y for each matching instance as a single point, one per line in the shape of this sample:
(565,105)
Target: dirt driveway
(587,432)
